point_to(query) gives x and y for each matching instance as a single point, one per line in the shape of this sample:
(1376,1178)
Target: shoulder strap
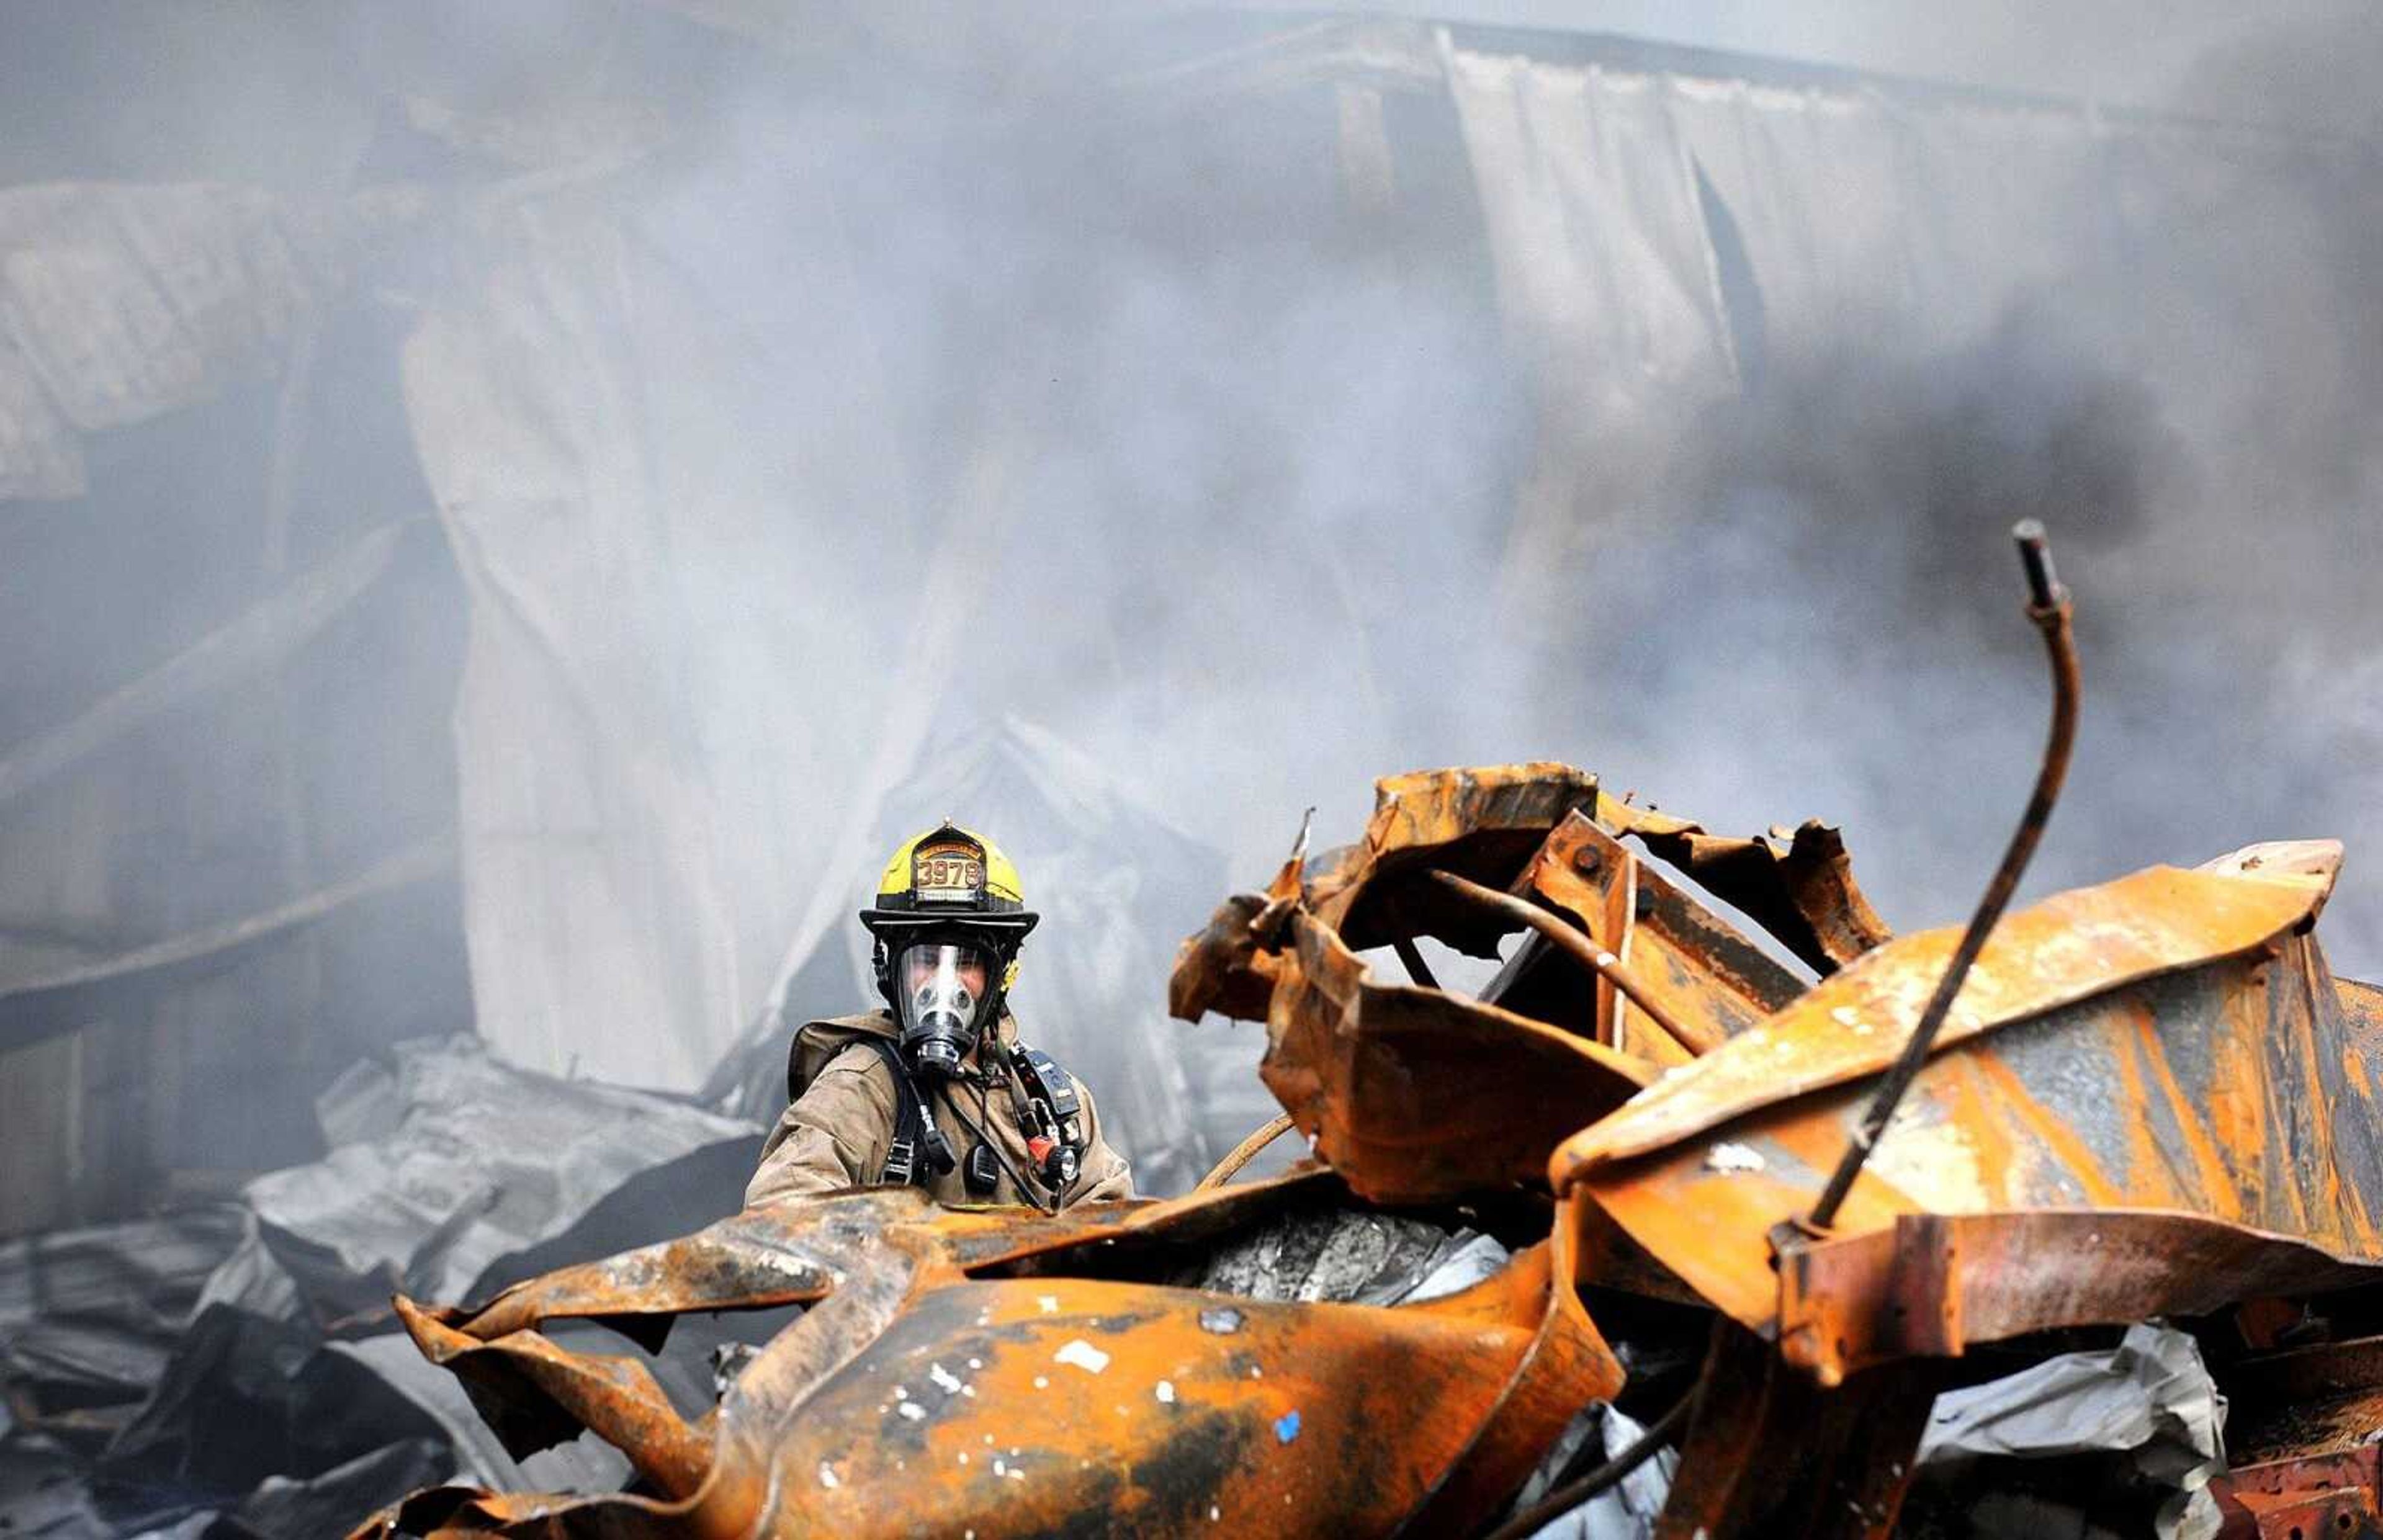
(910,1119)
(816,1044)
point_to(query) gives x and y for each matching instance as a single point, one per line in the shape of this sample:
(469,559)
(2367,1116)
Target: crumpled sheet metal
(1480,823)
(2304,1496)
(1484,823)
(119,301)
(1768,1451)
(2142,1082)
(534,1395)
(915,1398)
(1702,972)
(1931,1284)
(1221,968)
(1803,891)
(2068,949)
(2273,1399)
(1405,1089)
(2149,1399)
(2301,1444)
(1410,1092)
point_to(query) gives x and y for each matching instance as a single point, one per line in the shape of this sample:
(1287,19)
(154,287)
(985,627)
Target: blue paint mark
(1285,1427)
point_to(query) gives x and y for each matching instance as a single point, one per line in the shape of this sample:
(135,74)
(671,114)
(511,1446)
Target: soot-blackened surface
(1179,1480)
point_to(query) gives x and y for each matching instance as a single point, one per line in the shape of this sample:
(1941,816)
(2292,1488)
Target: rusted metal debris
(2149,1098)
(1003,1372)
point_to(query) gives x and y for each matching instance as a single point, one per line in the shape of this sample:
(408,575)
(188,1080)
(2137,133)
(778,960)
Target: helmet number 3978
(946,873)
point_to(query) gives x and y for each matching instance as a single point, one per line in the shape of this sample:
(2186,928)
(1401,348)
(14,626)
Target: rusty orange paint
(1220,967)
(614,1398)
(922,1397)
(1400,1086)
(1486,823)
(2216,1178)
(1803,893)
(2053,954)
(2061,1088)
(1590,875)
(1428,812)
(2035,1127)
(1406,1089)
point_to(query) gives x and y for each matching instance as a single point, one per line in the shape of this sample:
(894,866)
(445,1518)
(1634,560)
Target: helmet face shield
(940,992)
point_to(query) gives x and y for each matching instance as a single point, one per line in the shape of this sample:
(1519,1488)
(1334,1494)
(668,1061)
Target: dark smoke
(2194,422)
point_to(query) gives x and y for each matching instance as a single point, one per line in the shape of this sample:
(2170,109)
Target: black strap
(902,1162)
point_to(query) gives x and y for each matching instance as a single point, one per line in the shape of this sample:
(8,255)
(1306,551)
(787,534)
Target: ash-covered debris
(1626,1511)
(2115,1441)
(445,1161)
(90,1318)
(234,1371)
(1350,1256)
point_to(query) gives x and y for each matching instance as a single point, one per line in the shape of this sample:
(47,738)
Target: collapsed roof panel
(118,302)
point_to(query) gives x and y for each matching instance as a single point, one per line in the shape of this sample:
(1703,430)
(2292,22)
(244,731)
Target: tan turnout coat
(838,1132)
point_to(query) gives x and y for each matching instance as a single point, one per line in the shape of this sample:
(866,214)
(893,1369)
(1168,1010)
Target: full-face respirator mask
(945,992)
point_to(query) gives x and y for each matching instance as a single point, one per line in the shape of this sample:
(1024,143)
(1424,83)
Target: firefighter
(936,1090)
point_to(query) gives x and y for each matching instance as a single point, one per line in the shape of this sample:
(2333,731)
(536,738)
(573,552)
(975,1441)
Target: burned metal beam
(38,1007)
(267,631)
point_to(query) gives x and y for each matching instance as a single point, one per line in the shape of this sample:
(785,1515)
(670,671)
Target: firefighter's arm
(1104,1175)
(834,1136)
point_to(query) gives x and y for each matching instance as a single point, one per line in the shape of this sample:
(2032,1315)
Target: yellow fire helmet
(950,878)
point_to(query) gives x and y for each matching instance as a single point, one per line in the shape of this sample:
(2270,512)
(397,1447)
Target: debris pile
(235,1370)
(2150,1100)
(2064,1222)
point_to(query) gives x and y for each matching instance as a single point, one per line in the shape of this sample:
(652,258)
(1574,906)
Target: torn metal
(1589,1198)
(1007,1372)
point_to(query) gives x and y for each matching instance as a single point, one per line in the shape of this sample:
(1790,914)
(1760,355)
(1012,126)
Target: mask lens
(942,993)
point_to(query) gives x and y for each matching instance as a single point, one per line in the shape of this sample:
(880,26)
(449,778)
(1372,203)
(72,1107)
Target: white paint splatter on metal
(1732,1158)
(1083,1355)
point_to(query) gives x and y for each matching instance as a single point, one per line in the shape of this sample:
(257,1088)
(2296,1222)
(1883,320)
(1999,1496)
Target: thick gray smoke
(1176,415)
(781,417)
(1272,453)
(1254,460)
